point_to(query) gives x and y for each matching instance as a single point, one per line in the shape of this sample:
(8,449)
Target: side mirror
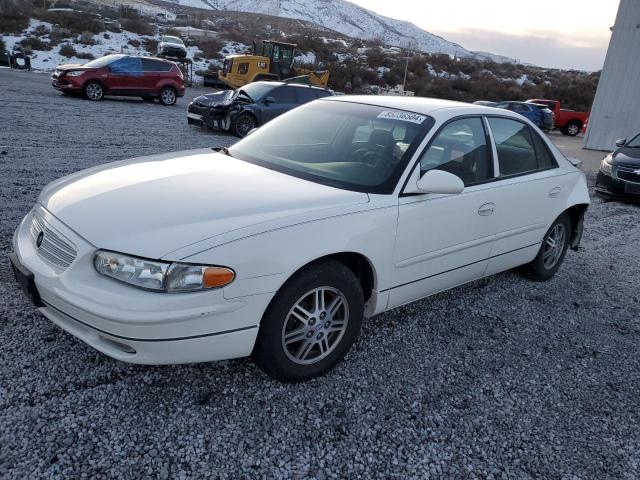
(621,142)
(269,100)
(439,181)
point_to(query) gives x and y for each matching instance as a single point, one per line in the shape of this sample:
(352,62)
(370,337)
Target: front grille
(55,248)
(629,174)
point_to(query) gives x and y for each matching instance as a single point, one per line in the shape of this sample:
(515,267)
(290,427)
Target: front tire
(168,96)
(94,91)
(311,323)
(242,124)
(552,251)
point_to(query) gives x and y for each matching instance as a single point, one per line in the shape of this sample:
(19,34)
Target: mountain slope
(344,17)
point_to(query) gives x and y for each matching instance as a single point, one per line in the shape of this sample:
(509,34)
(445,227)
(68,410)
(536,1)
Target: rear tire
(94,91)
(311,323)
(168,96)
(552,251)
(572,129)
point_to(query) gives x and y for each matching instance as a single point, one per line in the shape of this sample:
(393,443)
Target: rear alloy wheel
(94,91)
(243,124)
(573,129)
(168,96)
(552,251)
(311,323)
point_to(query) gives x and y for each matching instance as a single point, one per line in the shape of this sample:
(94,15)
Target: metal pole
(406,67)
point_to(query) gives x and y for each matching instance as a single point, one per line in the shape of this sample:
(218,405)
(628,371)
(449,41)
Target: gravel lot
(502,378)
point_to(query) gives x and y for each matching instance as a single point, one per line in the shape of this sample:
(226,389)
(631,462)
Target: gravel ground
(502,378)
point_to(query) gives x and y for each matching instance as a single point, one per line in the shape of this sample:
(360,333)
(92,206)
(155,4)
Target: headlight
(161,276)
(606,167)
(76,73)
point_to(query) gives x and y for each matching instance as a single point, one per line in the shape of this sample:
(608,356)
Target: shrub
(3,46)
(75,22)
(68,51)
(106,36)
(150,45)
(134,43)
(86,38)
(12,20)
(85,56)
(136,25)
(210,47)
(33,43)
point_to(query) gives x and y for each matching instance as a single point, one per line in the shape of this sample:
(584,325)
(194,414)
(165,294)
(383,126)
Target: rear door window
(305,95)
(519,150)
(284,95)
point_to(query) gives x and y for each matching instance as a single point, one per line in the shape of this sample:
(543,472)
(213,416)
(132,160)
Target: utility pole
(406,67)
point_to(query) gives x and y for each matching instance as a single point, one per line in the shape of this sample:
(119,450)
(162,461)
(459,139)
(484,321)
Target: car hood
(216,99)
(627,156)
(155,205)
(72,66)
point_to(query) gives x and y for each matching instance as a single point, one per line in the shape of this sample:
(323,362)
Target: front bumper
(175,52)
(214,118)
(135,325)
(613,187)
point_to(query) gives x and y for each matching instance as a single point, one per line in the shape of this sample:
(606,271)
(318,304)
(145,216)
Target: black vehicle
(240,111)
(619,174)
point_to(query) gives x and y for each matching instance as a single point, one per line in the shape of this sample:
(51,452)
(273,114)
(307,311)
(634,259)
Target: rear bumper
(617,189)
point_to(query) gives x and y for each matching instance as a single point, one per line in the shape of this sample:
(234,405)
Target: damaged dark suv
(240,111)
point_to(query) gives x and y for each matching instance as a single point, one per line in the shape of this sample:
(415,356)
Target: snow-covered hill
(344,17)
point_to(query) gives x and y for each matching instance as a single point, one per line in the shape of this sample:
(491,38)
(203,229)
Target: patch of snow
(308,57)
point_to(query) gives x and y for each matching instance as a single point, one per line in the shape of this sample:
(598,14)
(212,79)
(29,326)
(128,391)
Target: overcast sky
(549,33)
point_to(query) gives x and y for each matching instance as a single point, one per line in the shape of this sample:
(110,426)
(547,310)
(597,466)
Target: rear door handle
(486,209)
(555,192)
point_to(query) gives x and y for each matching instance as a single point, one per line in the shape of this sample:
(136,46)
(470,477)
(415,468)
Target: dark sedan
(539,114)
(619,174)
(240,111)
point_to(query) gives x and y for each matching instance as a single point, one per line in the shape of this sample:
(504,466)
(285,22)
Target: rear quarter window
(149,65)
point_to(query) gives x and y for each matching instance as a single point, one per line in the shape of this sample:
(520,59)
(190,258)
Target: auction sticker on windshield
(404,116)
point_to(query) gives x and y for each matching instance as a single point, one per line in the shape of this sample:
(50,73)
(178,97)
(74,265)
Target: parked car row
(546,114)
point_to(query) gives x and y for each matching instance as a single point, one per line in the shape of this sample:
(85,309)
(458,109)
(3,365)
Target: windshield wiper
(223,150)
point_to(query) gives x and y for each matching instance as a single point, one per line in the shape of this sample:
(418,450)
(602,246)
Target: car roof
(424,105)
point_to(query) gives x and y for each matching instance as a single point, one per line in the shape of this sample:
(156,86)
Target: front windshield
(347,145)
(256,90)
(634,142)
(170,39)
(103,61)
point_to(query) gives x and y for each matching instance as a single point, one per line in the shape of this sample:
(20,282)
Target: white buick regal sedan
(281,245)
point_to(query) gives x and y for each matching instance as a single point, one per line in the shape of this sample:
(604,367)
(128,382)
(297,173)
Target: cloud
(576,50)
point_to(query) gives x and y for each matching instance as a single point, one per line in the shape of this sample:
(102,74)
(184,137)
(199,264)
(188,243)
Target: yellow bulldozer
(271,60)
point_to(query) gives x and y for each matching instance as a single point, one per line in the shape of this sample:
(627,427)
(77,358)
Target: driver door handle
(486,209)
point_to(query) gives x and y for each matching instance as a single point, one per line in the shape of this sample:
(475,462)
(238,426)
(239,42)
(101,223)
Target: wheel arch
(576,216)
(359,264)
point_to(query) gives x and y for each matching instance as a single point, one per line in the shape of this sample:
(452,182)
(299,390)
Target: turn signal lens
(217,277)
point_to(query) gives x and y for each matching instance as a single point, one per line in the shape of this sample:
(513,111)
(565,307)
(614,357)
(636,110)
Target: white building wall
(616,109)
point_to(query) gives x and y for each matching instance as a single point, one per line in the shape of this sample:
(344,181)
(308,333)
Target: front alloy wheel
(311,322)
(94,91)
(243,124)
(315,325)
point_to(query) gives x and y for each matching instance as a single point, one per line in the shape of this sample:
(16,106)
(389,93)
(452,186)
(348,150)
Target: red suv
(122,75)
